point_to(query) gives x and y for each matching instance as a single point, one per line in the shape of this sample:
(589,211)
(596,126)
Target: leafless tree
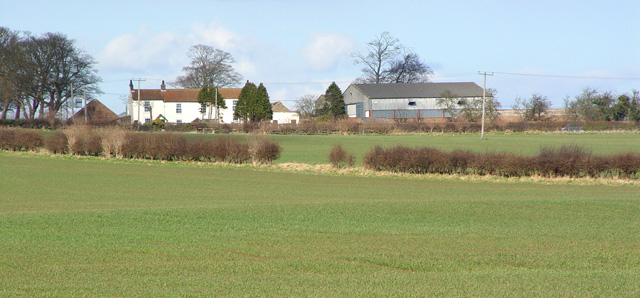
(9,49)
(208,66)
(306,105)
(409,69)
(38,72)
(472,108)
(451,103)
(534,108)
(388,61)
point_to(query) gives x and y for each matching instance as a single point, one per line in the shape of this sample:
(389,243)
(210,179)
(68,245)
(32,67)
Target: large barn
(402,101)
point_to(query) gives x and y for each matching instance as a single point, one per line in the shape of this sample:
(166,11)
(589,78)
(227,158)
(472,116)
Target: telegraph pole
(484,95)
(85,104)
(139,80)
(217,107)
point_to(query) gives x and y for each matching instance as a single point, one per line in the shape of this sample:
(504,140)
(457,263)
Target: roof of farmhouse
(180,95)
(419,90)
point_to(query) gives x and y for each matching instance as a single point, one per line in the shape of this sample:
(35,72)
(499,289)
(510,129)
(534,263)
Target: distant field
(88,227)
(315,149)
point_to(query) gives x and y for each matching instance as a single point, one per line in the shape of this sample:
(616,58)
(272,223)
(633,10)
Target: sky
(552,48)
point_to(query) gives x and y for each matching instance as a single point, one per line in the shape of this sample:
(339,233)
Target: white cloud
(143,51)
(214,35)
(325,51)
(246,68)
(151,52)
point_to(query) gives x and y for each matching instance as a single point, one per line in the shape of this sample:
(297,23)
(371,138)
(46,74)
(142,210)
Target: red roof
(180,95)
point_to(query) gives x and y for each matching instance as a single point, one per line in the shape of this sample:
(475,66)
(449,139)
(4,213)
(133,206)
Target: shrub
(200,149)
(133,145)
(340,158)
(28,140)
(74,133)
(227,149)
(20,139)
(165,146)
(627,165)
(564,161)
(57,143)
(7,139)
(263,150)
(87,144)
(112,140)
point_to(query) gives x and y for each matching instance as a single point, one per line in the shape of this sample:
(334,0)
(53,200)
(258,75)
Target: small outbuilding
(282,115)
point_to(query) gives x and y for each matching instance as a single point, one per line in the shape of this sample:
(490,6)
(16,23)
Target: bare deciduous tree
(388,61)
(534,108)
(208,66)
(451,103)
(409,69)
(306,105)
(41,71)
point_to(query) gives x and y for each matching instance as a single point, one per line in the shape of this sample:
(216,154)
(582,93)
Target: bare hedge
(20,139)
(82,140)
(566,161)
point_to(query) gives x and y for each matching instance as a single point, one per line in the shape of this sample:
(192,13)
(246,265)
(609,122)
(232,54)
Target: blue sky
(299,47)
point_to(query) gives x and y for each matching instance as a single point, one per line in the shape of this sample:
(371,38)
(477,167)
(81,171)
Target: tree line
(38,74)
(589,105)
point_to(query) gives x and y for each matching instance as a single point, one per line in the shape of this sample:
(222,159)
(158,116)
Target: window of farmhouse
(179,108)
(147,106)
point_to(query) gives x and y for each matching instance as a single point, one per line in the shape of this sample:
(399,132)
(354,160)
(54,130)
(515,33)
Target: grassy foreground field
(88,227)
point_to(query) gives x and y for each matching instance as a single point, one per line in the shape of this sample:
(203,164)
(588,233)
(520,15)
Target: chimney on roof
(163,87)
(131,85)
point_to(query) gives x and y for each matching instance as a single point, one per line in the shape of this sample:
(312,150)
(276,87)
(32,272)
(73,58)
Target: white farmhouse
(411,100)
(177,105)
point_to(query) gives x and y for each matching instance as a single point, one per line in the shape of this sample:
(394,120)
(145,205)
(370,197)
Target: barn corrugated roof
(419,90)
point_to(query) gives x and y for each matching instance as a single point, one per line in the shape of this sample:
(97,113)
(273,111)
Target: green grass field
(315,149)
(89,227)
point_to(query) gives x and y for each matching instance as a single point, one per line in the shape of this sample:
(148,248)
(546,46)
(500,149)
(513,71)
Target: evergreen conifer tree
(246,100)
(334,102)
(263,105)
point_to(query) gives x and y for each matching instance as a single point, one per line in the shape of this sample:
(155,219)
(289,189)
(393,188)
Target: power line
(567,76)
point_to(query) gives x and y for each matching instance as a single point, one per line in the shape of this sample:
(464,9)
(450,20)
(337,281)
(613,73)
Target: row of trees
(39,73)
(590,105)
(253,103)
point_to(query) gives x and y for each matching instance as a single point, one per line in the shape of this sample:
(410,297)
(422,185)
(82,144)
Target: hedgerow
(114,142)
(565,161)
(20,139)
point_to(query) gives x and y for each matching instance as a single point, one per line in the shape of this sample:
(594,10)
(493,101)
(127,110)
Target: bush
(263,150)
(74,133)
(88,144)
(200,149)
(7,139)
(227,149)
(564,161)
(57,143)
(20,139)
(28,140)
(340,158)
(165,146)
(112,140)
(133,145)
